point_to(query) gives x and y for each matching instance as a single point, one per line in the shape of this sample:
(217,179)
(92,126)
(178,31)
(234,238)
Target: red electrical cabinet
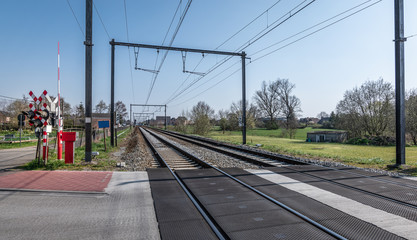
(69,139)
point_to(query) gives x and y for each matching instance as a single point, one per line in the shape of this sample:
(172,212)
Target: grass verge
(377,157)
(103,162)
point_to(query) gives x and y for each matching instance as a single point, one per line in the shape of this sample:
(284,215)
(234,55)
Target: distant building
(323,120)
(4,117)
(326,136)
(309,120)
(100,117)
(160,120)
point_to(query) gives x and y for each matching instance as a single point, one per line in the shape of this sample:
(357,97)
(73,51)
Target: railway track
(172,158)
(182,177)
(392,195)
(344,177)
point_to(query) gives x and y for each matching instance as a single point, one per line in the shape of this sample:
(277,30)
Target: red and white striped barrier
(45,145)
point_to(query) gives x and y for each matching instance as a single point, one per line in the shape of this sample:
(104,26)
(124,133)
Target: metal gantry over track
(182,50)
(146,105)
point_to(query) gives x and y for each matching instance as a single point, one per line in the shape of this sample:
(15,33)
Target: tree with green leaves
(411,115)
(222,115)
(368,109)
(201,114)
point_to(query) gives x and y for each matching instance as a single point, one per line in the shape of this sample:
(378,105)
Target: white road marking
(387,221)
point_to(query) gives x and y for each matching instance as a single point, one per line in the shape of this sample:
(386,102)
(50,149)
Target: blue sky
(323,66)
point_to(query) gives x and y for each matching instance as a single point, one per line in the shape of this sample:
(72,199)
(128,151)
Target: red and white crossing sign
(41,97)
(42,107)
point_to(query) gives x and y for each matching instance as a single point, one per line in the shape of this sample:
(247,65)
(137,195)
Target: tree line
(366,112)
(73,115)
(275,99)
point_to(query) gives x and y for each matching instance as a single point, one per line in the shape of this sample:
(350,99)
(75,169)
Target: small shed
(327,136)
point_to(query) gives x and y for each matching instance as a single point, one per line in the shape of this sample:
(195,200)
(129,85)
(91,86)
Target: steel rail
(183,137)
(254,152)
(219,233)
(305,218)
(278,157)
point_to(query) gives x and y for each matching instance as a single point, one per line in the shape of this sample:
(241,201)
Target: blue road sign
(103,124)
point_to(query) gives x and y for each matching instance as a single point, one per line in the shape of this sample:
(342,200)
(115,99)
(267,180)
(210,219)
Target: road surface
(11,158)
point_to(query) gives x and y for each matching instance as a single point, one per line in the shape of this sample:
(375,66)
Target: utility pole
(131,122)
(112,97)
(243,98)
(399,82)
(165,117)
(88,76)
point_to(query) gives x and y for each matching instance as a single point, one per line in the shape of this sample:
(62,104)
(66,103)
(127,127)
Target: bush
(374,141)
(271,125)
(51,165)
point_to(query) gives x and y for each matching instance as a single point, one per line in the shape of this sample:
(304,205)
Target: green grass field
(301,134)
(360,156)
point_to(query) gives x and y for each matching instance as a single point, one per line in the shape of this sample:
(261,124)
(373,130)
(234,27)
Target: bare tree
(370,105)
(322,115)
(222,115)
(180,124)
(15,108)
(101,107)
(267,100)
(121,112)
(236,113)
(290,105)
(411,114)
(201,115)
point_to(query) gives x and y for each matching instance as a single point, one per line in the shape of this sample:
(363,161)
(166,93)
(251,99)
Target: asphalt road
(125,212)
(10,158)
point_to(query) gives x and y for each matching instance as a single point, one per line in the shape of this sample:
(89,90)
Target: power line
(224,79)
(257,37)
(360,10)
(320,29)
(172,21)
(170,44)
(411,36)
(228,39)
(130,58)
(13,98)
(101,20)
(197,80)
(166,34)
(76,19)
(127,27)
(290,15)
(247,25)
(309,28)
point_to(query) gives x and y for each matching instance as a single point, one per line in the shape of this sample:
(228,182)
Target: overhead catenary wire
(411,36)
(172,96)
(287,45)
(101,20)
(248,24)
(166,34)
(318,30)
(76,19)
(12,98)
(293,12)
(166,52)
(315,25)
(130,58)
